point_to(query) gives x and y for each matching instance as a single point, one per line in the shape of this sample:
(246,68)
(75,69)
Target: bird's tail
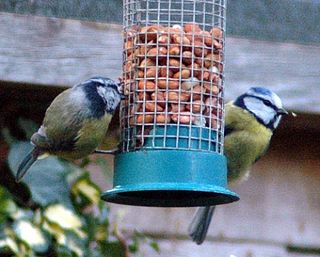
(199,225)
(26,163)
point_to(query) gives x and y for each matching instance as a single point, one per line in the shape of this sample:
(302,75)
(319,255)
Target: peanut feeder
(172,121)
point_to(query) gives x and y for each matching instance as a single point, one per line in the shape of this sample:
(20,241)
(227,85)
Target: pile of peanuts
(173,75)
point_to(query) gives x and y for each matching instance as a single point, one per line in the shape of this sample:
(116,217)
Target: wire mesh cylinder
(173,75)
(172,117)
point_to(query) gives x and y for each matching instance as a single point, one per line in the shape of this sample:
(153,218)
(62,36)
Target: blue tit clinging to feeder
(76,122)
(249,124)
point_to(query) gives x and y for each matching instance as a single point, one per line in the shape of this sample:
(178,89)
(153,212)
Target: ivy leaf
(8,243)
(7,206)
(46,178)
(62,216)
(31,235)
(87,189)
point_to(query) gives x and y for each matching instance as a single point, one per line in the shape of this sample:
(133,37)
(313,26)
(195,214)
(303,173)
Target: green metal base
(170,178)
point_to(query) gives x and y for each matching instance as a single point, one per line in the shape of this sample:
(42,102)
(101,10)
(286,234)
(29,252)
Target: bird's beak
(122,97)
(282,111)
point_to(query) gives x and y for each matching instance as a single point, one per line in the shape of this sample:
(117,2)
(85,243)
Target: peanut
(159,98)
(211,88)
(174,65)
(184,74)
(184,117)
(175,108)
(187,57)
(143,96)
(199,49)
(208,40)
(143,119)
(154,52)
(146,84)
(128,46)
(174,96)
(211,59)
(147,62)
(191,27)
(181,40)
(151,107)
(217,45)
(140,74)
(174,50)
(197,106)
(171,84)
(149,32)
(151,72)
(163,40)
(197,91)
(216,32)
(165,72)
(162,118)
(143,49)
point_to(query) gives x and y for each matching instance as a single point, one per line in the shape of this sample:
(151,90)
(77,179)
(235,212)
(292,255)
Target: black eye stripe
(266,102)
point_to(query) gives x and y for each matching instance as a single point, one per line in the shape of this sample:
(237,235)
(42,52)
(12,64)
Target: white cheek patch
(259,109)
(102,91)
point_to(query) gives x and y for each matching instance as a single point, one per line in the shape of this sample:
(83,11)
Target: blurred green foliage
(64,217)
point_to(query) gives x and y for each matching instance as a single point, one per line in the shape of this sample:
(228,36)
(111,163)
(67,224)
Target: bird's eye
(267,103)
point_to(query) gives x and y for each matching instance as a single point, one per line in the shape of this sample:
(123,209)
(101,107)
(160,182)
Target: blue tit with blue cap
(250,121)
(75,123)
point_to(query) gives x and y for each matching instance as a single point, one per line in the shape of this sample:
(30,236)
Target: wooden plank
(52,51)
(179,248)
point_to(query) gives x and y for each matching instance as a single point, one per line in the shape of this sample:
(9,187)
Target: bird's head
(103,92)
(264,104)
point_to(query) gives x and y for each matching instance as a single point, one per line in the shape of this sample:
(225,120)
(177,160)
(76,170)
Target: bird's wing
(63,121)
(228,130)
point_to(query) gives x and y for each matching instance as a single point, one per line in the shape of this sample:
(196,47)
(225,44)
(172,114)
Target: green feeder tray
(171,177)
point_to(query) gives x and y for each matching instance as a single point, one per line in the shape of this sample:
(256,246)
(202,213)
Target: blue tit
(249,124)
(75,123)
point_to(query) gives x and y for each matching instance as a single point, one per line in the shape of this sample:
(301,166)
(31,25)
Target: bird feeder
(172,120)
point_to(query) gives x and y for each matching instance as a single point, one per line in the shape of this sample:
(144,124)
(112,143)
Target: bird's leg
(112,151)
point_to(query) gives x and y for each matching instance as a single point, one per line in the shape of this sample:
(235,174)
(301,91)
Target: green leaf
(28,126)
(31,235)
(155,246)
(112,249)
(86,188)
(7,206)
(9,243)
(75,244)
(46,178)
(63,217)
(63,251)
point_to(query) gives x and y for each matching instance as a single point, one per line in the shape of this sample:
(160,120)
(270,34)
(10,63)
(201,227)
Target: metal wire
(173,61)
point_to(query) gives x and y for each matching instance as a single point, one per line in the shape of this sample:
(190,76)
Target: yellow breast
(247,142)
